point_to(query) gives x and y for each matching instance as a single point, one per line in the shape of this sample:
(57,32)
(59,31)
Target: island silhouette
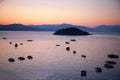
(71,31)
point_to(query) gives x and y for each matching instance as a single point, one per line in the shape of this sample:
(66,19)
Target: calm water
(51,62)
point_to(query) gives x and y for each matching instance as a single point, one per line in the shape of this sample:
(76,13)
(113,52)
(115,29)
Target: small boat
(21,58)
(29,40)
(108,66)
(111,62)
(98,69)
(73,40)
(84,56)
(113,56)
(11,60)
(67,42)
(29,57)
(57,45)
(4,38)
(83,73)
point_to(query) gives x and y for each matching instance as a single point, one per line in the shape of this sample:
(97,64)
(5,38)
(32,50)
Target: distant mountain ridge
(54,27)
(107,28)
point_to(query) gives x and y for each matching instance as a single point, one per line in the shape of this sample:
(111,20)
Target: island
(72,31)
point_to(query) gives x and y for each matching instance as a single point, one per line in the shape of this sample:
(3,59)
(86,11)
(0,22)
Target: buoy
(21,43)
(16,45)
(10,42)
(74,52)
(68,48)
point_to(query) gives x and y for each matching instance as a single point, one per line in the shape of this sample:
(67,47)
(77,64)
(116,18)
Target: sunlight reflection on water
(51,62)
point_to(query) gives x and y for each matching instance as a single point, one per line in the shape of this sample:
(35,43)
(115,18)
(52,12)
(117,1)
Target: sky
(77,12)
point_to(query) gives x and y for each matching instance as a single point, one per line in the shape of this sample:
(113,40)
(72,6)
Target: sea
(51,60)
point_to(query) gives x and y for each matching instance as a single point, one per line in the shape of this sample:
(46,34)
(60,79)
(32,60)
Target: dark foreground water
(51,62)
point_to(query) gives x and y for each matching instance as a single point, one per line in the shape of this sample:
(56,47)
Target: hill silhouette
(55,27)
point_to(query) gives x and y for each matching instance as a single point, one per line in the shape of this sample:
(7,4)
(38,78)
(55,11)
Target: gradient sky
(76,12)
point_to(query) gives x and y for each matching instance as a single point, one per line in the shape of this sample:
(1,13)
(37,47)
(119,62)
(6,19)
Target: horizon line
(64,23)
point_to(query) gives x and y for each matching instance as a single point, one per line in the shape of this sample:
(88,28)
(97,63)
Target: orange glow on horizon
(76,12)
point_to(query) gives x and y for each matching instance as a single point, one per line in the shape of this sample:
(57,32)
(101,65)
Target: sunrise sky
(77,12)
